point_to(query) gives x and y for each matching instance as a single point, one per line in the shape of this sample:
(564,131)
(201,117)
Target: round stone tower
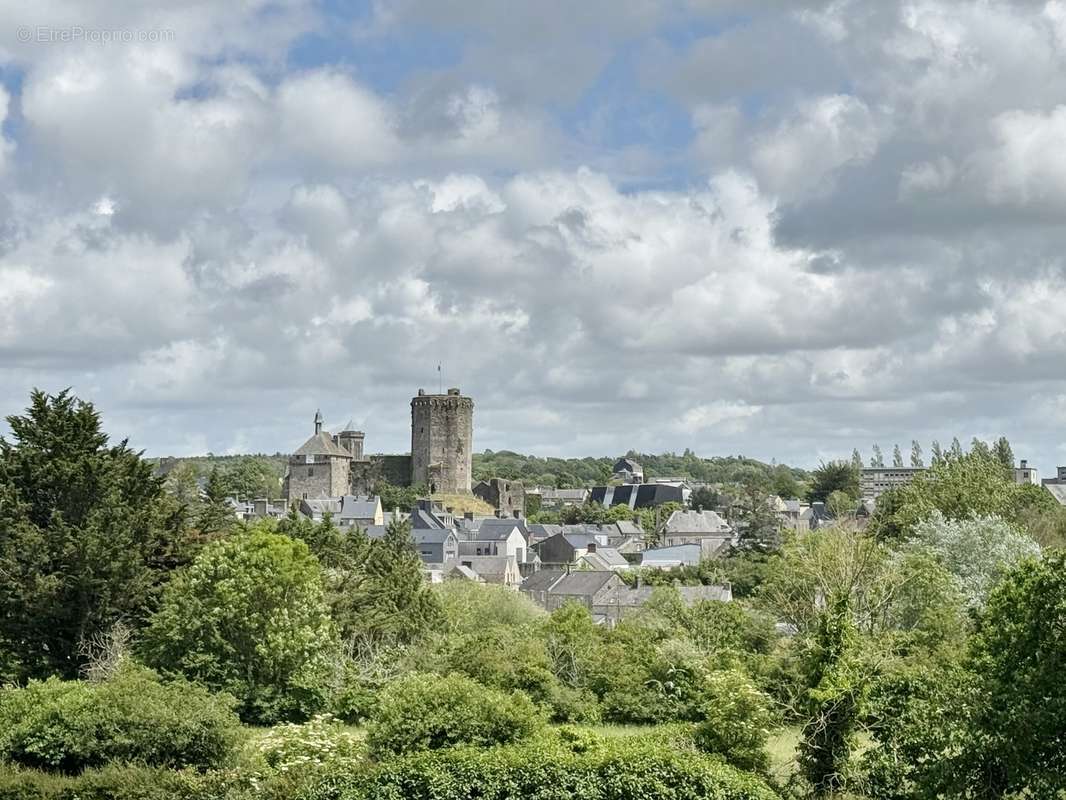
(442,440)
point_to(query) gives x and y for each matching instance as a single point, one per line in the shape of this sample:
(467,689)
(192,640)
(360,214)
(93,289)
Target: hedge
(595,769)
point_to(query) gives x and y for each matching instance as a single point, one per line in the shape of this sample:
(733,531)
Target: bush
(320,743)
(68,726)
(114,782)
(249,617)
(736,720)
(583,768)
(428,712)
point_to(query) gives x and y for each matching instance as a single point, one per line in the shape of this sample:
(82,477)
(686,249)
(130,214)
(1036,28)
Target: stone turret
(442,440)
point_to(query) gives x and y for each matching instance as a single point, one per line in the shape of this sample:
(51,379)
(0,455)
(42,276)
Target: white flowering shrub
(320,743)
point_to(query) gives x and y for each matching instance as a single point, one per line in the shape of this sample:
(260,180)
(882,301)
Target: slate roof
(422,519)
(490,568)
(628,527)
(671,556)
(582,583)
(465,571)
(696,522)
(320,444)
(494,529)
(637,495)
(632,597)
(542,580)
(605,558)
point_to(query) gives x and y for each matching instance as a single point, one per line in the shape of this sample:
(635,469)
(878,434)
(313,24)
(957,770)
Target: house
(248,510)
(704,528)
(496,540)
(564,548)
(602,559)
(502,569)
(622,600)
(461,572)
(345,511)
(645,495)
(583,586)
(627,470)
(553,499)
(679,555)
(435,546)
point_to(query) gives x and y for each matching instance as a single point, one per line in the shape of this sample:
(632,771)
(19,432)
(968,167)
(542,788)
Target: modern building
(877,480)
(1023,473)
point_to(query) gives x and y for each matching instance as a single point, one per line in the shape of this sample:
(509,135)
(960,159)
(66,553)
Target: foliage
(249,617)
(69,726)
(959,487)
(84,537)
(116,782)
(750,507)
(1012,738)
(399,498)
(428,712)
(550,768)
(319,743)
(835,696)
(836,476)
(375,588)
(974,551)
(704,497)
(470,607)
(736,720)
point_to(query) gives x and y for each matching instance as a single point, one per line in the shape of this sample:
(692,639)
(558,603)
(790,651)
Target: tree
(916,455)
(955,452)
(877,459)
(84,541)
(897,457)
(974,551)
(1003,453)
(249,617)
(1011,743)
(704,497)
(981,448)
(937,457)
(856,460)
(757,523)
(835,697)
(836,476)
(959,487)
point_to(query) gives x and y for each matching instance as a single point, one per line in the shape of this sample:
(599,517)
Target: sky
(769,228)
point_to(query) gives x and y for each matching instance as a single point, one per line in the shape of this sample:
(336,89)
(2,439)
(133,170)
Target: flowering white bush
(975,551)
(321,742)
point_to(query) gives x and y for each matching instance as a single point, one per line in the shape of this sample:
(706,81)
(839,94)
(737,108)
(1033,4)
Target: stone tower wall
(327,476)
(442,433)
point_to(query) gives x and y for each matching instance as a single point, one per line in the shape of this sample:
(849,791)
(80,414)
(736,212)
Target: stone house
(704,528)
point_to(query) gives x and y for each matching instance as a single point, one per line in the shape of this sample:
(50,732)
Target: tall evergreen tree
(897,457)
(916,454)
(856,460)
(84,539)
(955,453)
(877,459)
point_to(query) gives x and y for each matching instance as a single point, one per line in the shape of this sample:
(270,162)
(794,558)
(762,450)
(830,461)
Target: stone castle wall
(394,469)
(326,476)
(442,440)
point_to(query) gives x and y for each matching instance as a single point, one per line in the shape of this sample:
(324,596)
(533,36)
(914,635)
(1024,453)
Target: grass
(781,748)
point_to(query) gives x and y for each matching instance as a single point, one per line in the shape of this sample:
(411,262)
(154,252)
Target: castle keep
(442,438)
(442,433)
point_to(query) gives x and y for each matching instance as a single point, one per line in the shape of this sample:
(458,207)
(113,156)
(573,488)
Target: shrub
(736,720)
(576,769)
(319,743)
(114,782)
(427,712)
(68,726)
(249,617)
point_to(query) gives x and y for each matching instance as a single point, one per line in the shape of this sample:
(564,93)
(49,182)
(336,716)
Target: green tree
(877,459)
(897,457)
(916,454)
(937,457)
(84,540)
(1003,453)
(955,451)
(836,476)
(1011,742)
(835,696)
(704,497)
(249,617)
(856,460)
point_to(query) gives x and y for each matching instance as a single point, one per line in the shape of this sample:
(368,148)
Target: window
(310,472)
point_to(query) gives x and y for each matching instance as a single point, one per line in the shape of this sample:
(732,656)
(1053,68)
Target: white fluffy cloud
(611,234)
